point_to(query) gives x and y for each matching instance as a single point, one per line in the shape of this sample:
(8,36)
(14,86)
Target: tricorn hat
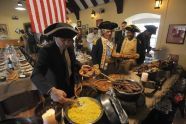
(107,25)
(132,28)
(62,30)
(151,28)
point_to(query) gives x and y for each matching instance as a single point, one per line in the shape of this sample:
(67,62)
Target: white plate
(22,76)
(3,63)
(29,69)
(2,69)
(26,67)
(25,64)
(22,59)
(28,73)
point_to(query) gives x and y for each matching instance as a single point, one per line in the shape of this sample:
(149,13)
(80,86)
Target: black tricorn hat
(151,28)
(62,30)
(132,28)
(107,25)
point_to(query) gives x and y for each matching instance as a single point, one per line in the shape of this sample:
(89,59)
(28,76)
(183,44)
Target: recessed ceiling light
(20,8)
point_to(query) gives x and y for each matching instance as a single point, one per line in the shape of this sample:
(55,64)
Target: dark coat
(119,40)
(142,45)
(51,58)
(97,51)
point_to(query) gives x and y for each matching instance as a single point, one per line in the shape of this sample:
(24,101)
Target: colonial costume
(61,62)
(128,47)
(143,46)
(128,50)
(102,48)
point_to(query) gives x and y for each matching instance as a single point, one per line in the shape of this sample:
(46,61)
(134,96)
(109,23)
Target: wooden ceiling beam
(119,5)
(84,4)
(94,2)
(71,4)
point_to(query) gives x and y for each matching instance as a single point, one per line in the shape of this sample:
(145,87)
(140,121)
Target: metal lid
(113,109)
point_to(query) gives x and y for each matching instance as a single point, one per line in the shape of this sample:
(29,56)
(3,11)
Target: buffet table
(151,101)
(17,80)
(142,112)
(16,86)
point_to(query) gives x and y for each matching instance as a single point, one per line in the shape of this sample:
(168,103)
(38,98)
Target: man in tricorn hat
(102,48)
(129,45)
(59,58)
(144,42)
(128,49)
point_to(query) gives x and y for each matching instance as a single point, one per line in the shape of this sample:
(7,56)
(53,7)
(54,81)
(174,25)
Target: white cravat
(109,46)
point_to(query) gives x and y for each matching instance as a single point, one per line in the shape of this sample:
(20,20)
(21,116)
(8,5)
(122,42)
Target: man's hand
(58,95)
(96,69)
(117,55)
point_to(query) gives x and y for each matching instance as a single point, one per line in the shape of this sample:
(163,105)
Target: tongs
(109,78)
(118,107)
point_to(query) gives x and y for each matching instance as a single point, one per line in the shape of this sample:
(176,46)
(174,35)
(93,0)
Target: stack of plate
(2,65)
(21,59)
(83,58)
(26,68)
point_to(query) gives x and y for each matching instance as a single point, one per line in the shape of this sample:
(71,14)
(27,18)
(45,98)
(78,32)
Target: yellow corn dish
(87,112)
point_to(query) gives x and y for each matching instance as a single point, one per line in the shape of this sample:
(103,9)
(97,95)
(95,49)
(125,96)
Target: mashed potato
(88,111)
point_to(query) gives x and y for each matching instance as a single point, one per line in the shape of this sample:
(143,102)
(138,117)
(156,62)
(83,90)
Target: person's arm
(39,72)
(59,96)
(46,87)
(115,53)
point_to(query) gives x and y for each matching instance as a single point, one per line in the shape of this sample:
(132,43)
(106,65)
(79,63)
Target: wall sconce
(101,10)
(20,6)
(157,4)
(93,14)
